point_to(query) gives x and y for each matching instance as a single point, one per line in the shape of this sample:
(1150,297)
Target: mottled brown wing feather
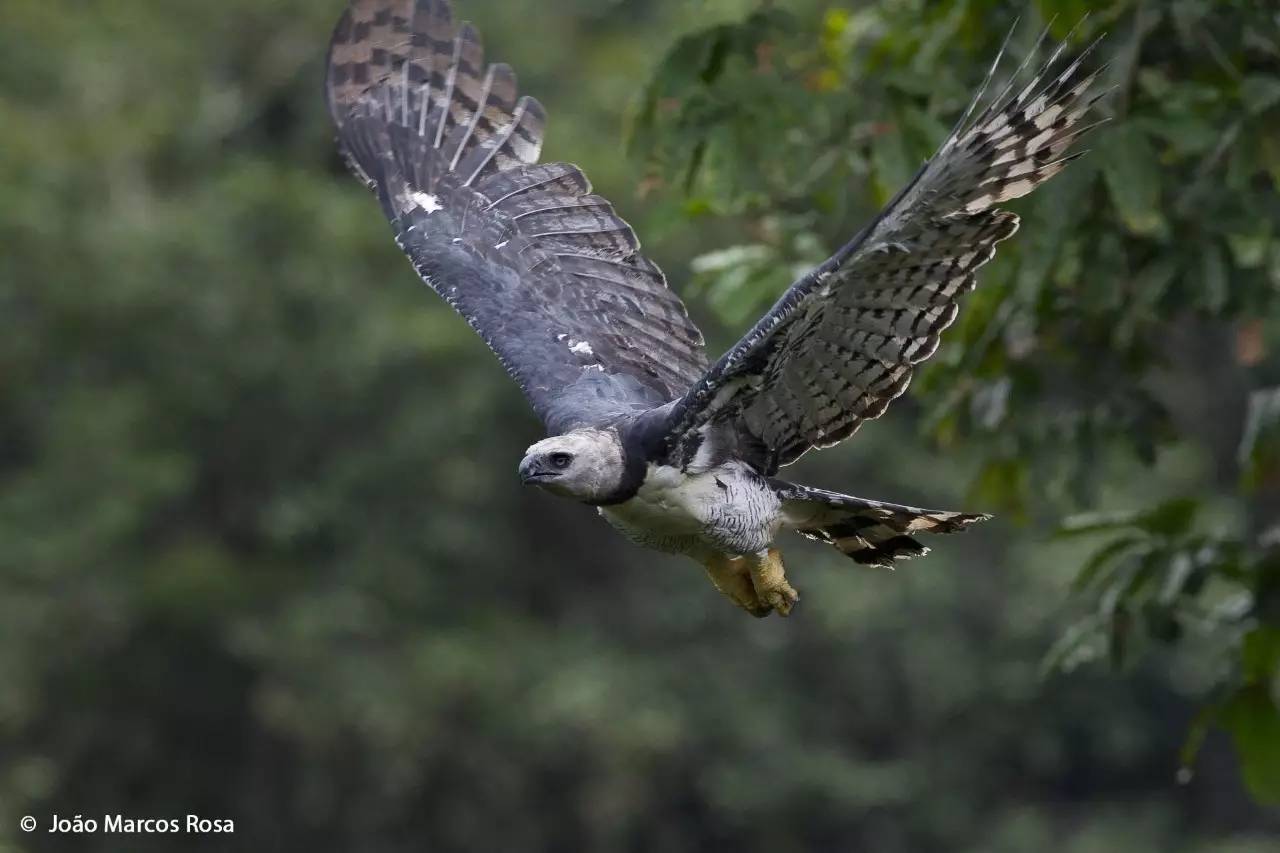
(543,269)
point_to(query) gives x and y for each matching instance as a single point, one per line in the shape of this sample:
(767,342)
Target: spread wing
(541,268)
(842,342)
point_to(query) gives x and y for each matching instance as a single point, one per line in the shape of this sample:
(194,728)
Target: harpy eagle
(678,453)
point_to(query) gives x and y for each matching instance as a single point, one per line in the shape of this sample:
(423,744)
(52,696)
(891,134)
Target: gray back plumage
(543,269)
(843,341)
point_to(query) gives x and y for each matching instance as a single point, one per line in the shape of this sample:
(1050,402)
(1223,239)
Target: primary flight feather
(678,454)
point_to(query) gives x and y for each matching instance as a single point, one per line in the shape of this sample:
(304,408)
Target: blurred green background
(263,552)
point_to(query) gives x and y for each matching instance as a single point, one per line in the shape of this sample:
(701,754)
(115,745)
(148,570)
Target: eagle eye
(560,460)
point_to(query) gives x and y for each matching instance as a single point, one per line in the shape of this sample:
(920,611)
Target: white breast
(668,502)
(727,509)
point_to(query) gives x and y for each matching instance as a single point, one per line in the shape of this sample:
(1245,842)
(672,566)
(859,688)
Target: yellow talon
(732,577)
(757,583)
(769,577)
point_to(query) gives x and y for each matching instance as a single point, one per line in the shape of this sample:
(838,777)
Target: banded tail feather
(873,533)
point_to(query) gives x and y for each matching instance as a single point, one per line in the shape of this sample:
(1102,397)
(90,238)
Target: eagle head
(586,464)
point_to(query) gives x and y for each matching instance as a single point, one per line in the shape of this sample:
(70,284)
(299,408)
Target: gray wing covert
(543,269)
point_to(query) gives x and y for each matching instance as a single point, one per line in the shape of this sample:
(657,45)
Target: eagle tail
(873,533)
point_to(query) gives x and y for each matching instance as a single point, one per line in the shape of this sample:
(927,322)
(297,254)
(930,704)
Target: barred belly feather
(727,510)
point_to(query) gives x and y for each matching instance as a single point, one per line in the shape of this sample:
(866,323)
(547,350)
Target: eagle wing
(541,268)
(842,342)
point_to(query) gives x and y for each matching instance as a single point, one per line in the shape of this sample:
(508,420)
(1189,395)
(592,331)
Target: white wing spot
(428,202)
(502,245)
(581,348)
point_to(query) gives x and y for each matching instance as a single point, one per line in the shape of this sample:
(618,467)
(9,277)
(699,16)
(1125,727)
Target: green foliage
(1251,714)
(1148,580)
(1161,580)
(1100,338)
(695,87)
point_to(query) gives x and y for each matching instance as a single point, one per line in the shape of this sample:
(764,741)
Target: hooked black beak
(531,470)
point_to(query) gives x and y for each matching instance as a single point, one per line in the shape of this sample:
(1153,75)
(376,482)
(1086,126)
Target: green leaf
(1253,721)
(1185,133)
(1260,655)
(1096,522)
(1178,572)
(1170,518)
(1102,559)
(1150,565)
(1150,285)
(1259,93)
(1250,248)
(1080,644)
(735,279)
(1132,174)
